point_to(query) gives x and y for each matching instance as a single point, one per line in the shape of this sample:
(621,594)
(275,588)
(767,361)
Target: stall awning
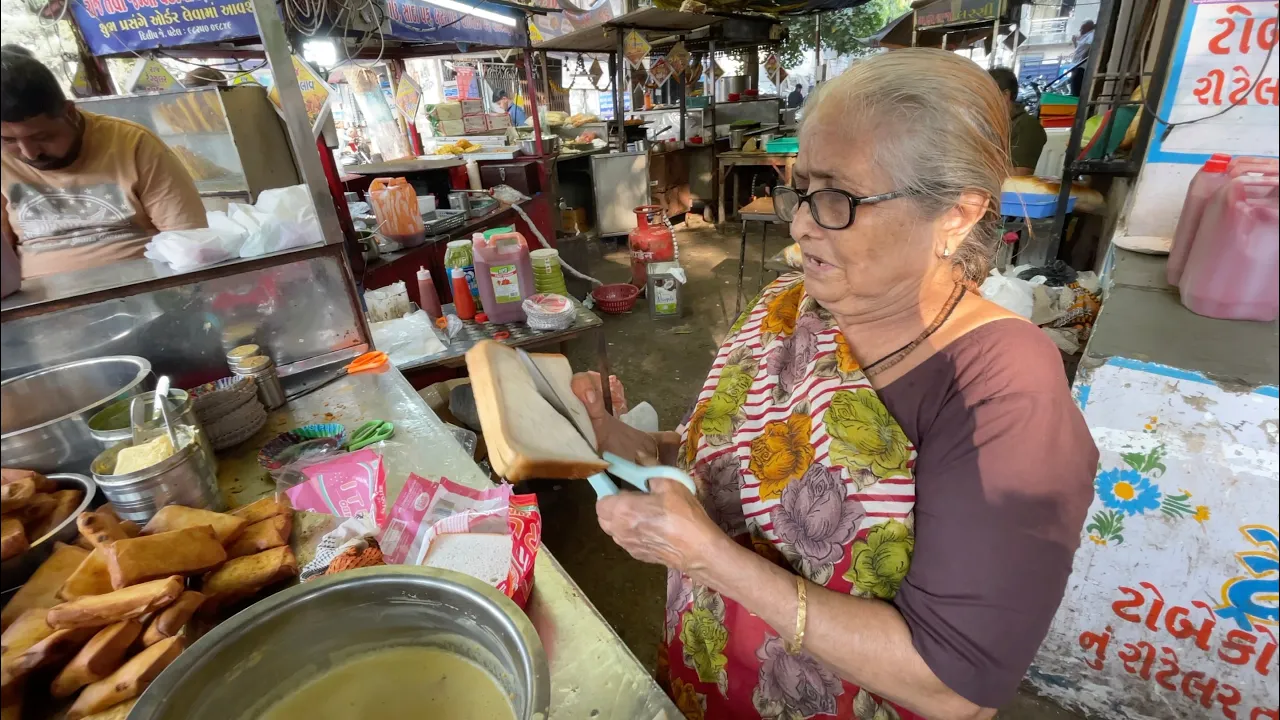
(897,34)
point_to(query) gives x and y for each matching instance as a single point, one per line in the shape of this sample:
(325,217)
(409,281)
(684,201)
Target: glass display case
(230,139)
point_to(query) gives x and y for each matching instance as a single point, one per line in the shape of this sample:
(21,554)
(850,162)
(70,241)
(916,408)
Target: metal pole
(301,138)
(817,51)
(684,93)
(619,82)
(915,30)
(995,38)
(1102,30)
(1155,90)
(526,60)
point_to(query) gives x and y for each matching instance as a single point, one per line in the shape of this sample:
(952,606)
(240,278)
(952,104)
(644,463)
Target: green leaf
(840,31)
(1134,460)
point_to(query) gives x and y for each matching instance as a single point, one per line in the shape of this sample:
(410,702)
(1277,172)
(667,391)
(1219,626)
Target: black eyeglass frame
(854,202)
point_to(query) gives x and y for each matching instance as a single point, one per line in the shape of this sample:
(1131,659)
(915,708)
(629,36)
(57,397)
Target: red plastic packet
(427,510)
(344,485)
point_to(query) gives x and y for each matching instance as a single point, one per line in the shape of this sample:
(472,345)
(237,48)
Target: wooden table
(727,161)
(761,211)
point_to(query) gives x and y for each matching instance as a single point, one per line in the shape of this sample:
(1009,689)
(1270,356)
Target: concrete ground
(664,362)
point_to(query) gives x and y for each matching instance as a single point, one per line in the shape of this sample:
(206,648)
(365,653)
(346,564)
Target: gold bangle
(802,607)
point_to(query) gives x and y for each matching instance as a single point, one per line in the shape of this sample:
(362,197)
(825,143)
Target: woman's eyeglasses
(832,208)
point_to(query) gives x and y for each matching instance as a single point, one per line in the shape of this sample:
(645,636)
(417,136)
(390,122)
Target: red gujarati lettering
(1268,91)
(1097,643)
(1265,714)
(1209,88)
(1263,666)
(1242,83)
(1175,621)
(93,7)
(1121,607)
(1157,606)
(1237,647)
(1199,688)
(1228,698)
(1132,653)
(1167,676)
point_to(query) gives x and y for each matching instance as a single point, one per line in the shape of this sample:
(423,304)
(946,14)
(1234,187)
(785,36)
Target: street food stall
(203,514)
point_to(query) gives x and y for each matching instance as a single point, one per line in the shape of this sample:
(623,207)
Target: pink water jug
(504,274)
(1215,173)
(1233,268)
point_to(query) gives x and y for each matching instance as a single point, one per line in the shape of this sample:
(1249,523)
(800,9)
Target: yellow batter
(403,682)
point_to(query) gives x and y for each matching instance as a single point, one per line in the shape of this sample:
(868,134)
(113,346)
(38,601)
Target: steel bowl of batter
(271,652)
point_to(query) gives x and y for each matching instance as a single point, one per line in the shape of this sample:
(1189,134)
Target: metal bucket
(111,425)
(187,477)
(259,655)
(17,569)
(46,413)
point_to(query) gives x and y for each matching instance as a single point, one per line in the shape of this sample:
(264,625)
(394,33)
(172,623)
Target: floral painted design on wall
(1131,491)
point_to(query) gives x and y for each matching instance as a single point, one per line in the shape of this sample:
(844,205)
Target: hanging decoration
(716,71)
(408,95)
(638,75)
(694,74)
(316,94)
(771,67)
(678,58)
(660,72)
(80,82)
(150,76)
(595,73)
(635,48)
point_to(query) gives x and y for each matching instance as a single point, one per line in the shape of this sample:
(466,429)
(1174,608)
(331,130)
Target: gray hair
(938,126)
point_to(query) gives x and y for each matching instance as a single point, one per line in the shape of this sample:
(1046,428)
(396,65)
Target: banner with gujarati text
(120,26)
(416,21)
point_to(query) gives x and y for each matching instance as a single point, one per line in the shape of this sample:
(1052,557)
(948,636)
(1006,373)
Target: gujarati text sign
(416,21)
(119,26)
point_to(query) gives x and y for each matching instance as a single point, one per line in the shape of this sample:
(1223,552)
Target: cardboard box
(472,107)
(452,128)
(449,111)
(499,121)
(474,124)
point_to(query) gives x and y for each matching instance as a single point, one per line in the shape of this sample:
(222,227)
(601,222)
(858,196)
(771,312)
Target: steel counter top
(593,674)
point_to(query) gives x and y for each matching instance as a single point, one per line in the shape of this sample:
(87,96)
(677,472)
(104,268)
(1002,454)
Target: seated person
(81,190)
(1026,135)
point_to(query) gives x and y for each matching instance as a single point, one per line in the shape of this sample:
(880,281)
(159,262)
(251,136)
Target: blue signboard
(120,26)
(418,21)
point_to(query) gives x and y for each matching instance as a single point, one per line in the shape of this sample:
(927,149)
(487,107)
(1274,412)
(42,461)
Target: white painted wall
(1200,463)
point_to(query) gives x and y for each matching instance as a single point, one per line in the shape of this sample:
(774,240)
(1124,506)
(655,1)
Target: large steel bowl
(260,655)
(17,569)
(44,415)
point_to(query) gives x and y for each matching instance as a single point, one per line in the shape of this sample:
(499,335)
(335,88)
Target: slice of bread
(526,437)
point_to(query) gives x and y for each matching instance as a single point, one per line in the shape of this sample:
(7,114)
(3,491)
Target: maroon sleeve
(1004,479)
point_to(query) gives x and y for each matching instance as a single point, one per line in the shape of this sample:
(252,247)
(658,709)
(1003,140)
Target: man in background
(81,190)
(1084,42)
(503,101)
(1026,136)
(796,98)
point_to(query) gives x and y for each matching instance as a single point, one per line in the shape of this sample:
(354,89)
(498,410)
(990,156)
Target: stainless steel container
(730,84)
(16,570)
(263,372)
(111,425)
(278,644)
(550,146)
(45,414)
(185,478)
(460,200)
(736,138)
(237,355)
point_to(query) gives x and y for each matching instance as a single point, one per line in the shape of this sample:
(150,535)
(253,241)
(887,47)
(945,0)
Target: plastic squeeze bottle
(463,304)
(428,298)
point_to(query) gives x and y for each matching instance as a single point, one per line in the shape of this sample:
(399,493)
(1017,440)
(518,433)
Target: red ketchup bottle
(428,298)
(463,304)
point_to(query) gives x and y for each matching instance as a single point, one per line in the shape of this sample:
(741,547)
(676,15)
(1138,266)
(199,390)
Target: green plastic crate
(783,145)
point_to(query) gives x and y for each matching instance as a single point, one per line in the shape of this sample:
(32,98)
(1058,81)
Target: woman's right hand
(613,435)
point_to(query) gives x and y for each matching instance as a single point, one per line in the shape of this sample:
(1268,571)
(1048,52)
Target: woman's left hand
(667,525)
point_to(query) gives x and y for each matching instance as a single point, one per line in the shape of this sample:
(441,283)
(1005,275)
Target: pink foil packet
(426,510)
(344,486)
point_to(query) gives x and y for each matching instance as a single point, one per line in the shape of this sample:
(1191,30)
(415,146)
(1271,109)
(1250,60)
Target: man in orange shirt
(81,190)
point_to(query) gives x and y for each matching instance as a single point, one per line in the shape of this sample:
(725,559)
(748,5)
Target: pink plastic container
(504,274)
(1233,268)
(1208,180)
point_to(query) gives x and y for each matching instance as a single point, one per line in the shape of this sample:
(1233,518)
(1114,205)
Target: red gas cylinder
(651,241)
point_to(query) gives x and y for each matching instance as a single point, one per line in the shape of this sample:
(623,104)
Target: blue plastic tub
(1031,205)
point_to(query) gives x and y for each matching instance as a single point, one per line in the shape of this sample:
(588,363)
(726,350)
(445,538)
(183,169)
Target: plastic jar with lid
(459,254)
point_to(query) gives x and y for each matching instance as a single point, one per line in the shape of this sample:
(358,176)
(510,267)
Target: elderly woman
(894,473)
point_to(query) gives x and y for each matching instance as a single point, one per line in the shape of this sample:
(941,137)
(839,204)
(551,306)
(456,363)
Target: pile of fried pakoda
(103,620)
(32,506)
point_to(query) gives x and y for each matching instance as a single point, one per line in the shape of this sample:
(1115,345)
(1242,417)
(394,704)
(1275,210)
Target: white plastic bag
(283,218)
(187,249)
(1010,293)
